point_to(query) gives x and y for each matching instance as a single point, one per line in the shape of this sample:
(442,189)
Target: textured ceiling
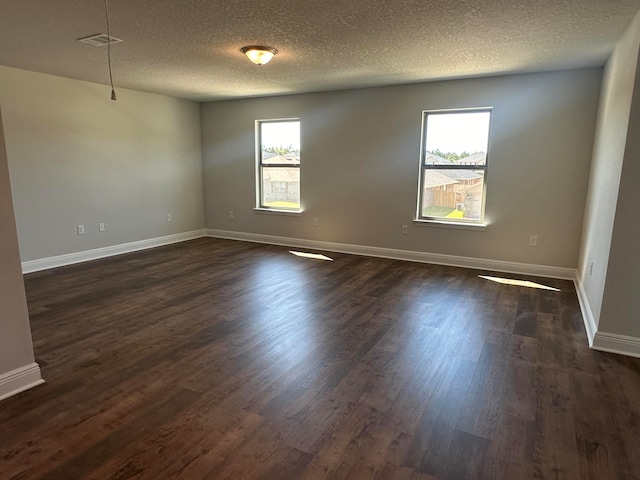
(190,48)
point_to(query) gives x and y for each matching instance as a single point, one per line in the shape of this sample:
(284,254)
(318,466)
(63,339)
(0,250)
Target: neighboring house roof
(433,178)
(474,159)
(281,159)
(432,158)
(281,174)
(460,175)
(479,158)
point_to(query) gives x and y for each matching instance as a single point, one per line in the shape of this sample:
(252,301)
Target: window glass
(454,165)
(279,164)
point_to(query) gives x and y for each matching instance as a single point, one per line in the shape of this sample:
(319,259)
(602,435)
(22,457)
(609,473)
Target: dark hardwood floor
(229,360)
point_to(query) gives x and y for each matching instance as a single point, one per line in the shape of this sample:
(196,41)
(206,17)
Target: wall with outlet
(609,266)
(359,172)
(77,158)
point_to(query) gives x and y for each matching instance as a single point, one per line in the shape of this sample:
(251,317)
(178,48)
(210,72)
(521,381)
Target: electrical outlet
(533,241)
(169,217)
(315,222)
(80,229)
(101,227)
(405,230)
(231,214)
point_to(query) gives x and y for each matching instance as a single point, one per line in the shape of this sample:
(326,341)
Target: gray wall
(77,157)
(15,335)
(360,164)
(612,204)
(621,304)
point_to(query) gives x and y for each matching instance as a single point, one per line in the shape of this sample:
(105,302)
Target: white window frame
(260,165)
(461,222)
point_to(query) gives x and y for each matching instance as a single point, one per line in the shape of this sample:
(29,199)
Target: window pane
(280,142)
(457,138)
(452,194)
(281,187)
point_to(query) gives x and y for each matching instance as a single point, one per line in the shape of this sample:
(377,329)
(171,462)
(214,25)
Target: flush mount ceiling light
(258,54)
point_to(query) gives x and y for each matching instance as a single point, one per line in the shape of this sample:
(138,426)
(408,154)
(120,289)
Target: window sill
(444,224)
(275,211)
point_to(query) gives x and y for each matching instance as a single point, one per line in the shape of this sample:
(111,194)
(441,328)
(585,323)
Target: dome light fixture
(259,54)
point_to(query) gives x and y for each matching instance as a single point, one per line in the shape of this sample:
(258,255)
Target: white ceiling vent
(99,40)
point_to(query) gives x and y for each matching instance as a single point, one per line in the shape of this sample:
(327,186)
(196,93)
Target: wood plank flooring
(216,359)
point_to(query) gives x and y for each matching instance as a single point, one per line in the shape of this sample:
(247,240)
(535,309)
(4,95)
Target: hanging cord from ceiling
(106,14)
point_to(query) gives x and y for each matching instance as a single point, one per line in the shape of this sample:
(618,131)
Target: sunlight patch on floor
(519,283)
(316,256)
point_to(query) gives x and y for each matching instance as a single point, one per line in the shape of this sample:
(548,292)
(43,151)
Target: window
(278,172)
(453,165)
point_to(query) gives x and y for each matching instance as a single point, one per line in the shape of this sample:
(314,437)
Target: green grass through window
(283,205)
(442,212)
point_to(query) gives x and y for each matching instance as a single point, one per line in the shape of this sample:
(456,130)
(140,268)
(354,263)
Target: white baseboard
(78,257)
(599,340)
(614,343)
(19,380)
(589,320)
(423,257)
